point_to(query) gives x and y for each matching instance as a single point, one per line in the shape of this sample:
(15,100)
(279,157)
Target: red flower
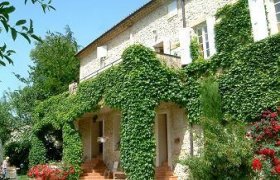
(273,123)
(273,115)
(276,161)
(267,152)
(277,169)
(276,128)
(277,143)
(257,165)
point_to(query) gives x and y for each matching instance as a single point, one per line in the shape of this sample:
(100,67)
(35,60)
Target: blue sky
(88,19)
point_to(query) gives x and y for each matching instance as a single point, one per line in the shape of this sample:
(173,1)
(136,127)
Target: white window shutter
(101,51)
(271,16)
(210,22)
(258,19)
(185,42)
(166,46)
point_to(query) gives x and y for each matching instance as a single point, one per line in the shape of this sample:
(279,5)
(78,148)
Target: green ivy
(37,154)
(196,51)
(248,76)
(136,87)
(72,148)
(233,29)
(253,82)
(226,152)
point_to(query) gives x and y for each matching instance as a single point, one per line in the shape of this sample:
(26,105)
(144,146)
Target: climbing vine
(135,87)
(233,29)
(247,74)
(252,84)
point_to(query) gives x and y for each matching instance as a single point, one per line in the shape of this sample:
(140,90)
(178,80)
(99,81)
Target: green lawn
(23,177)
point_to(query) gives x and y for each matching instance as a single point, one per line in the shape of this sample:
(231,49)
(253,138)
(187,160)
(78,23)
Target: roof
(121,26)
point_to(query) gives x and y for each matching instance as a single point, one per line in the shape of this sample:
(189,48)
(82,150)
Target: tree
(55,64)
(21,27)
(22,103)
(6,121)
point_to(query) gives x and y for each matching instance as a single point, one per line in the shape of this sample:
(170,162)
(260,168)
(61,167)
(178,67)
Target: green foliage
(226,152)
(55,64)
(193,73)
(72,148)
(135,87)
(210,99)
(37,154)
(52,140)
(22,103)
(140,83)
(21,27)
(18,152)
(252,84)
(6,121)
(234,27)
(196,51)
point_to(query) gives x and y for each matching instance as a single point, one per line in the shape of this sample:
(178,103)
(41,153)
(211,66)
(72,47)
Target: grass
(22,177)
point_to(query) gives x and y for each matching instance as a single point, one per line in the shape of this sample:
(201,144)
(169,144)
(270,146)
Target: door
(162,139)
(100,131)
(96,131)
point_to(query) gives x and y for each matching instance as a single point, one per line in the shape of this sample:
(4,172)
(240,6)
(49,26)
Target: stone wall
(142,32)
(155,28)
(179,137)
(198,10)
(85,130)
(111,154)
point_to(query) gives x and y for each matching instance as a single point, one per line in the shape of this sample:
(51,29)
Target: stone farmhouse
(166,27)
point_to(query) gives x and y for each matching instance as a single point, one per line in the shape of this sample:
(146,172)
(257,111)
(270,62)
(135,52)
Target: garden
(234,97)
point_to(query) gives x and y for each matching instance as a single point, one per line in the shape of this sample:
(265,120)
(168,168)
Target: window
(102,54)
(172,8)
(102,62)
(203,39)
(277,10)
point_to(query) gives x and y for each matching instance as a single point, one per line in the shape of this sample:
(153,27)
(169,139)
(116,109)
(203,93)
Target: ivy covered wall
(247,74)
(135,87)
(248,80)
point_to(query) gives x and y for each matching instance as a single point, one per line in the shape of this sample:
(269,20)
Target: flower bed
(57,171)
(266,136)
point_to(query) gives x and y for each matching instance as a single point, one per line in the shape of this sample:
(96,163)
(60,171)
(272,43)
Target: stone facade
(177,137)
(156,27)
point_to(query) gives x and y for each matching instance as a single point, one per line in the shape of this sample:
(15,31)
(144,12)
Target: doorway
(96,131)
(162,139)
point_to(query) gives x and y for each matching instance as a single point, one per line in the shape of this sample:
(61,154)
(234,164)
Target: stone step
(93,170)
(167,178)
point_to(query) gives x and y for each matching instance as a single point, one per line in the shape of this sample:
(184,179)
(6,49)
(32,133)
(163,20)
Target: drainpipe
(184,26)
(183,13)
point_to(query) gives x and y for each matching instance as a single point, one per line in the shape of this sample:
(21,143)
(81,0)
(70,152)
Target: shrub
(226,151)
(265,134)
(55,171)
(18,153)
